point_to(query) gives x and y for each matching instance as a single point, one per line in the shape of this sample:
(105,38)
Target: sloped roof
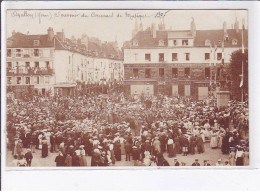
(179,34)
(105,50)
(19,40)
(217,35)
(145,38)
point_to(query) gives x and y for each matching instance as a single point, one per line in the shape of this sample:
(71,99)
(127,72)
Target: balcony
(29,71)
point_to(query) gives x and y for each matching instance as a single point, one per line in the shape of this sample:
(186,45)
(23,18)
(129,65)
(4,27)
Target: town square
(127,88)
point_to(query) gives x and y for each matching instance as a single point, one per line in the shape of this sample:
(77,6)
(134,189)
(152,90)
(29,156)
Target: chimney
(225,27)
(13,32)
(193,28)
(153,30)
(237,26)
(141,28)
(50,34)
(84,40)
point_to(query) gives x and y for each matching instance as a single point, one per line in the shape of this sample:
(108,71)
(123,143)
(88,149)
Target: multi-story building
(178,63)
(53,63)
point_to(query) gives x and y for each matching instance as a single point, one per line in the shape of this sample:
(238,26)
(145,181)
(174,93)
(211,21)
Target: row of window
(29,80)
(175,56)
(36,64)
(102,64)
(27,53)
(185,42)
(161,42)
(175,72)
(162,59)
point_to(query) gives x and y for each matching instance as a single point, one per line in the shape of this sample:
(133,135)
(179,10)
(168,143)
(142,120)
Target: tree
(236,74)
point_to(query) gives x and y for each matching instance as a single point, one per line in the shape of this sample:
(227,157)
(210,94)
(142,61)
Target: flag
(210,54)
(223,53)
(215,51)
(243,51)
(243,28)
(242,81)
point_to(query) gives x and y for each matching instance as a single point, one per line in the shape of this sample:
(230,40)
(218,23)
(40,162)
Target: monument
(223,94)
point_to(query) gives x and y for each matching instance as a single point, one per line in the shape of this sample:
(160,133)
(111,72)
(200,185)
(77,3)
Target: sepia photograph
(127,88)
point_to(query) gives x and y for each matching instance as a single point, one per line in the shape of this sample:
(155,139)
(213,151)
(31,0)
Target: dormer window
(226,38)
(9,43)
(207,42)
(234,41)
(161,43)
(135,43)
(185,43)
(36,43)
(175,42)
(9,52)
(18,52)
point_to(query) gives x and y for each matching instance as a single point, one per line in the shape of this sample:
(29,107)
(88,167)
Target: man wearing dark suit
(128,147)
(206,163)
(196,163)
(176,163)
(136,155)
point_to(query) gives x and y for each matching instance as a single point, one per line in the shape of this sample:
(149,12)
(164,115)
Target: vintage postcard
(126,88)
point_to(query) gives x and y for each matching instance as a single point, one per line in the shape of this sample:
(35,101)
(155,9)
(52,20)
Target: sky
(110,25)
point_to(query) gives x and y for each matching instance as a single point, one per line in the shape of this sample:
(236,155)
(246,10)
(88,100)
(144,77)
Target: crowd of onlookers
(110,128)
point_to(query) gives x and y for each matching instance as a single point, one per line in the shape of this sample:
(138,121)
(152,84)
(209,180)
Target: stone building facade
(49,63)
(178,63)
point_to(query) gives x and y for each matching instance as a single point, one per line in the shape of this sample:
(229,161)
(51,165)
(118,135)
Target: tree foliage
(236,71)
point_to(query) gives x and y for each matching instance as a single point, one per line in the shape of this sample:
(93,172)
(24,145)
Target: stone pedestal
(223,97)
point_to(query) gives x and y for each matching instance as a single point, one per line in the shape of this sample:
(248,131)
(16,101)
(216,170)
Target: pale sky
(97,24)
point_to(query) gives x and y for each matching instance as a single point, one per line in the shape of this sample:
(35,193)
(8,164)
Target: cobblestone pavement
(210,154)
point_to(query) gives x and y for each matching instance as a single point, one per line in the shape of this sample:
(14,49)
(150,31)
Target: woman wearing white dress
(246,157)
(82,157)
(214,140)
(147,158)
(232,157)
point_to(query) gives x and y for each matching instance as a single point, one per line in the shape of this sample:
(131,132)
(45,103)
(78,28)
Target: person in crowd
(226,163)
(196,163)
(161,161)
(28,157)
(83,160)
(136,155)
(246,156)
(44,147)
(171,148)
(147,158)
(33,142)
(59,160)
(19,148)
(206,163)
(176,162)
(21,162)
(68,160)
(200,144)
(128,147)
(214,139)
(106,124)
(239,156)
(232,157)
(52,142)
(219,163)
(193,140)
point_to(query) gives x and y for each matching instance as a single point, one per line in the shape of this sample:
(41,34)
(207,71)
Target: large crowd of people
(148,131)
